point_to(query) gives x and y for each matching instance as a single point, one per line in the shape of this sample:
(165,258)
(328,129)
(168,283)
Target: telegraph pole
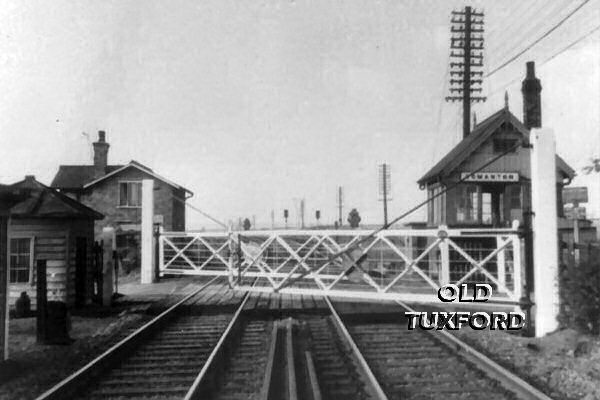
(466,74)
(340,198)
(384,188)
(302,213)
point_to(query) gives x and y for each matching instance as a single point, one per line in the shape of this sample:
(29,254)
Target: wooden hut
(43,224)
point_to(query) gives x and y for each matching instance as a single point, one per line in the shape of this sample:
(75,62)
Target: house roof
(75,176)
(82,176)
(448,164)
(30,198)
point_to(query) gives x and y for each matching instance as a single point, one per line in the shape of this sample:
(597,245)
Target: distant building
(115,191)
(500,192)
(40,223)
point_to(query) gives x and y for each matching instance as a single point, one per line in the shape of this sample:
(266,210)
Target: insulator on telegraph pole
(466,72)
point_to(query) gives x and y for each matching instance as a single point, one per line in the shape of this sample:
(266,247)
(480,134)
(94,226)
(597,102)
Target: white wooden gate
(405,265)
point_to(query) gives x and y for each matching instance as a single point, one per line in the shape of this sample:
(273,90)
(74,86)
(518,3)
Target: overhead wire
(528,47)
(548,59)
(205,214)
(440,106)
(508,38)
(531,26)
(510,18)
(511,38)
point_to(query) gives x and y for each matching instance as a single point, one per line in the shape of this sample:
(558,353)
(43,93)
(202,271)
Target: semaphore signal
(466,65)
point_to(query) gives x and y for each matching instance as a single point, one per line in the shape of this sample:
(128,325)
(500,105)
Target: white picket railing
(405,265)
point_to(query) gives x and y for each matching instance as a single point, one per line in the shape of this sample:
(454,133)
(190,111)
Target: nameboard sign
(490,177)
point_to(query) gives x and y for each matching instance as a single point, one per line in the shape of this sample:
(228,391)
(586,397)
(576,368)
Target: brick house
(115,191)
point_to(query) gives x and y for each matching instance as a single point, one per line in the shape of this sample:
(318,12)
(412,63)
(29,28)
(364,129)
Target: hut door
(80,270)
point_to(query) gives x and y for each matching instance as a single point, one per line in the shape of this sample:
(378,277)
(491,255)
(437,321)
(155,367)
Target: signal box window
(468,204)
(130,194)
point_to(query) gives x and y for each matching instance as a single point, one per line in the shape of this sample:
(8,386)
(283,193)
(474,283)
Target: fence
(405,265)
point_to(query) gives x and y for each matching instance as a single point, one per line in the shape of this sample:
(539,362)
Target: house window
(21,260)
(130,194)
(504,145)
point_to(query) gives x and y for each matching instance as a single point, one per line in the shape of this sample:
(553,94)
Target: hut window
(21,259)
(130,194)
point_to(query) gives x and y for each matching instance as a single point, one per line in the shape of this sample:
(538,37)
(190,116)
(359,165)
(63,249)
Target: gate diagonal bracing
(404,265)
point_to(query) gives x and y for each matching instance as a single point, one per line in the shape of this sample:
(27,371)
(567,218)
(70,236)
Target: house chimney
(532,99)
(100,155)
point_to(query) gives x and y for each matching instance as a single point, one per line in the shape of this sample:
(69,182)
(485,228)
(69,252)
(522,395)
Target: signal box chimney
(532,99)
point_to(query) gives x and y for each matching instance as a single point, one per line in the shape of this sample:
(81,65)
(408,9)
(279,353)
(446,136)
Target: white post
(445,263)
(161,249)
(147,222)
(518,271)
(501,262)
(545,230)
(444,256)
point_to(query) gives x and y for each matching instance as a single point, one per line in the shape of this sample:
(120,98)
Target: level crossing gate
(405,265)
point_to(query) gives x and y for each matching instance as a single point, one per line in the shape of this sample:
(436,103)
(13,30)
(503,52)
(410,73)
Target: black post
(156,252)
(115,259)
(239,258)
(42,301)
(99,275)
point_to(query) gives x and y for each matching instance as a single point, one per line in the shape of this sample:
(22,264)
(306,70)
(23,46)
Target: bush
(580,293)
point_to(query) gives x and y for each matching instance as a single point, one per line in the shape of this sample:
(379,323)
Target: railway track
(227,353)
(414,365)
(162,359)
(301,356)
(427,365)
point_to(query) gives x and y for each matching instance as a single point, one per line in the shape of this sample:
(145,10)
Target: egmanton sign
(490,177)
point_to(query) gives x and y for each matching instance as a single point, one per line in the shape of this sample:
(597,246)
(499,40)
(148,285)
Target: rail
(510,381)
(74,382)
(373,387)
(202,382)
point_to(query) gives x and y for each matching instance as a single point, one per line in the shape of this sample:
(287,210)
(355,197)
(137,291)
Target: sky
(254,105)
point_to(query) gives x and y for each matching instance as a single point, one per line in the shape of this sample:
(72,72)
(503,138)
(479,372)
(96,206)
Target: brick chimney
(532,99)
(100,155)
